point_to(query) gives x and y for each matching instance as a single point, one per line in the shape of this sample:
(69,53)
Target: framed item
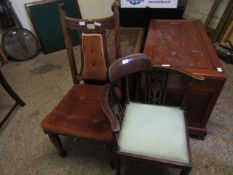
(215,27)
(46,21)
(20,44)
(227,40)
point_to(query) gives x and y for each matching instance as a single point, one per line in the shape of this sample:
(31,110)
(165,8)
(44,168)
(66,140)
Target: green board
(46,21)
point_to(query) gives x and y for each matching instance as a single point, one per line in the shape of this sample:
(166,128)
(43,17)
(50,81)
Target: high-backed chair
(144,127)
(94,51)
(79,113)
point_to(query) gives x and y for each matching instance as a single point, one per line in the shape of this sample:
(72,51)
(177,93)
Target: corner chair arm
(104,102)
(2,54)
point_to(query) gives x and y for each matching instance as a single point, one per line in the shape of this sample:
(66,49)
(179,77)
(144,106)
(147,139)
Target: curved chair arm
(104,102)
(4,58)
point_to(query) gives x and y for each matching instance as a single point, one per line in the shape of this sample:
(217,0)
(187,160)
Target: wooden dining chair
(79,113)
(144,127)
(94,51)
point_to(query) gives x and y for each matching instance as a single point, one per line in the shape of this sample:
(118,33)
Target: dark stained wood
(79,113)
(127,65)
(131,40)
(57,142)
(185,45)
(115,124)
(121,69)
(95,59)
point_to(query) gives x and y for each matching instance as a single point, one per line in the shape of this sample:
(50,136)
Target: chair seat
(154,131)
(79,114)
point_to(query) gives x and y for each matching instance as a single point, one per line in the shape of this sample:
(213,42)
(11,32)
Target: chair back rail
(143,84)
(151,86)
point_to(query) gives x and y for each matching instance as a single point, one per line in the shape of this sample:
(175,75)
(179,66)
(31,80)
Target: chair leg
(10,91)
(57,142)
(185,171)
(118,164)
(111,159)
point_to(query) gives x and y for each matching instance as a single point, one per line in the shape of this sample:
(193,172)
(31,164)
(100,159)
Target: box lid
(183,44)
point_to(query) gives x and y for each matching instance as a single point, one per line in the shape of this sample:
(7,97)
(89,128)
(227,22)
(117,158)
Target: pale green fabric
(155,131)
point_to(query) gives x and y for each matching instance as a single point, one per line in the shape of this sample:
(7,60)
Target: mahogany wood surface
(184,44)
(79,115)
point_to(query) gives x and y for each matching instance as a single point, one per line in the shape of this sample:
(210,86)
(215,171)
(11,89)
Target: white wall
(94,9)
(19,7)
(89,9)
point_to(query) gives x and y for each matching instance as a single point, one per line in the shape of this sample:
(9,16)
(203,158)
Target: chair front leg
(57,142)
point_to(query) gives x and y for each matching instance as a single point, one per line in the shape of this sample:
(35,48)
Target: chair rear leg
(110,153)
(118,164)
(185,171)
(57,142)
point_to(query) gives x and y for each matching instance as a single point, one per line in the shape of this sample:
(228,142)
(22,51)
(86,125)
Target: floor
(26,150)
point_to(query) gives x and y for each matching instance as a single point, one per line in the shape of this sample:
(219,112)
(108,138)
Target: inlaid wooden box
(185,44)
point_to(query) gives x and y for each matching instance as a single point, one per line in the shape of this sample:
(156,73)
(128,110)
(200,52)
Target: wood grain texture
(79,114)
(3,58)
(184,44)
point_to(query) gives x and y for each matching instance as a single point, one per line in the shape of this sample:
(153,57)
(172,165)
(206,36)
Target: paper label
(82,23)
(219,69)
(97,24)
(165,65)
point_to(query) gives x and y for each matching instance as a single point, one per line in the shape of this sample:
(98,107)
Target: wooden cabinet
(185,44)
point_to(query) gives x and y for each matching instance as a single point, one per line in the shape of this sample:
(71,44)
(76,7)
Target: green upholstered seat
(154,131)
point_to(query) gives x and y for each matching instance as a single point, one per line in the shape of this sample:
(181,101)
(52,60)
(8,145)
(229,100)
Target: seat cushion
(154,131)
(79,114)
(94,66)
